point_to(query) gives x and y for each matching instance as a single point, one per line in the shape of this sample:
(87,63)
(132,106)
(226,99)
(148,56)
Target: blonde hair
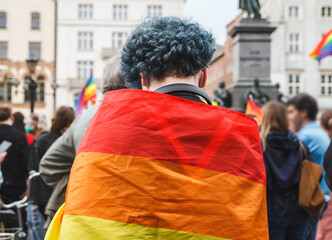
(274,119)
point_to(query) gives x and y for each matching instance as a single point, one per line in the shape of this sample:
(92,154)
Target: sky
(214,15)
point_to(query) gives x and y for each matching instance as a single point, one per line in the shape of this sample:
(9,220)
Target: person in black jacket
(282,158)
(40,192)
(326,124)
(15,165)
(328,166)
(324,228)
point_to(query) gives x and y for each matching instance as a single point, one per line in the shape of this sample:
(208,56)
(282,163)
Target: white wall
(102,25)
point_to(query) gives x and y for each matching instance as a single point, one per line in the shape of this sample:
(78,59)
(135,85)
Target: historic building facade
(301,25)
(26,30)
(91,32)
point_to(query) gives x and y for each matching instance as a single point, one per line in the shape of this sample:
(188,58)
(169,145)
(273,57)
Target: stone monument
(223,98)
(251,54)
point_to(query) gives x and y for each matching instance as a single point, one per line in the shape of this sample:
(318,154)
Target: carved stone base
(251,54)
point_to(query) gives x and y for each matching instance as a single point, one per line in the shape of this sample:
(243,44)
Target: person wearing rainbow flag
(162,163)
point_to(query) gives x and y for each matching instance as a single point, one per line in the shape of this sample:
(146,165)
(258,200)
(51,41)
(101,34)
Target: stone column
(251,59)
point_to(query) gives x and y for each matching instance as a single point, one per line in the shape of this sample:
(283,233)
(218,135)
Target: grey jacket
(59,158)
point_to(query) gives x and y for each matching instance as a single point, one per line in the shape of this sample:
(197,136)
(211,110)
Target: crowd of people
(168,57)
(289,135)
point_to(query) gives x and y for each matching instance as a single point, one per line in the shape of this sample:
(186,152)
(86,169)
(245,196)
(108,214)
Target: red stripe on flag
(168,128)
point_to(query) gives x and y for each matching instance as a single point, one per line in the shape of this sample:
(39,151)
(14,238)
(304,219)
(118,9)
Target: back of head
(326,120)
(34,117)
(165,47)
(274,119)
(42,122)
(5,113)
(304,102)
(112,75)
(19,121)
(63,118)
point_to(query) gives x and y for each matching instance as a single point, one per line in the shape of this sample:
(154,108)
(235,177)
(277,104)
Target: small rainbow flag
(88,94)
(324,47)
(150,167)
(254,110)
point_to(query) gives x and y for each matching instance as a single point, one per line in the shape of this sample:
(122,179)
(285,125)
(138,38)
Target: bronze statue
(281,97)
(257,94)
(252,7)
(223,98)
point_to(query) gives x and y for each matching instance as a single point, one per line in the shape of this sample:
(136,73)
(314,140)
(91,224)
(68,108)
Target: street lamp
(32,63)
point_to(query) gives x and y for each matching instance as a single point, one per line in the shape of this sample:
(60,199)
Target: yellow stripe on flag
(54,229)
(75,228)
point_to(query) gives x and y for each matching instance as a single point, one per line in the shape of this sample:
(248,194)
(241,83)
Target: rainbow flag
(324,47)
(154,166)
(87,94)
(254,110)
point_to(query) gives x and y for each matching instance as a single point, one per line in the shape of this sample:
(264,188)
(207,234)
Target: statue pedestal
(251,60)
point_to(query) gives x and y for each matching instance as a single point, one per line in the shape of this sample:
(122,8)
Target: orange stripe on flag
(158,194)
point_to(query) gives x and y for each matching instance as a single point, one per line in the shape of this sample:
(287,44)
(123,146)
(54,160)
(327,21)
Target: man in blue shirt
(301,112)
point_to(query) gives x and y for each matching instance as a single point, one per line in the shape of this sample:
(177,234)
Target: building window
(293,12)
(85,40)
(326,11)
(85,11)
(35,21)
(118,39)
(293,84)
(84,69)
(154,11)
(3,50)
(40,94)
(6,88)
(120,12)
(3,19)
(326,84)
(294,42)
(34,50)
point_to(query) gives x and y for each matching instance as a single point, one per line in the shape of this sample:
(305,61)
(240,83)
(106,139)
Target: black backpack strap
(182,87)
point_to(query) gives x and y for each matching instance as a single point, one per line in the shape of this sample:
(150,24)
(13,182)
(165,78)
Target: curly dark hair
(162,47)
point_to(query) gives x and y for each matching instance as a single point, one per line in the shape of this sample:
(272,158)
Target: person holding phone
(15,165)
(2,157)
